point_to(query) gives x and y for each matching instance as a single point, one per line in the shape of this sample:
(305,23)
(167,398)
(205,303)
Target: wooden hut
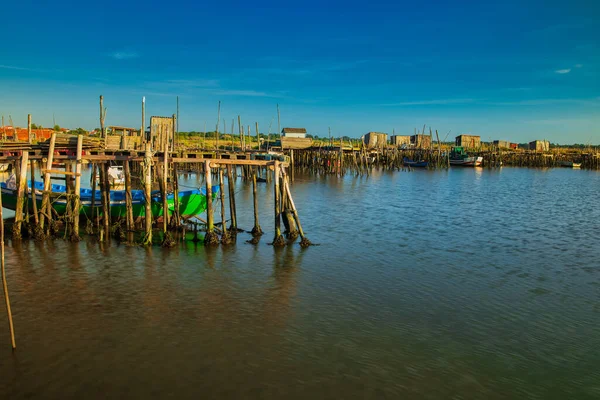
(502,144)
(374,140)
(399,140)
(468,141)
(421,141)
(295,139)
(539,145)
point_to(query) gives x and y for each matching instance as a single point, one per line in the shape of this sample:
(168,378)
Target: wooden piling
(225,237)
(304,242)
(11,326)
(256,230)
(94,208)
(278,239)
(33,195)
(232,208)
(44,214)
(105,190)
(77,194)
(21,195)
(129,223)
(147,178)
(211,237)
(165,204)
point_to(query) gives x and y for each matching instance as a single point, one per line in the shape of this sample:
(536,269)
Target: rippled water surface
(464,284)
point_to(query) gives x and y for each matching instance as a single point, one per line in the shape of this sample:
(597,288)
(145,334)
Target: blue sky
(514,70)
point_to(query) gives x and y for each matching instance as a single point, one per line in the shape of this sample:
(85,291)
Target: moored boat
(570,164)
(414,164)
(459,157)
(191,202)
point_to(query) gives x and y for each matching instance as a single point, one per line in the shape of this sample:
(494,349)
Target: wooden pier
(147,169)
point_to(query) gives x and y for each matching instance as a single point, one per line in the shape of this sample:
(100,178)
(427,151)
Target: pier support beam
(21,195)
(211,237)
(77,192)
(147,179)
(278,239)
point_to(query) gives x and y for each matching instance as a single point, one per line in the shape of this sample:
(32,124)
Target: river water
(460,284)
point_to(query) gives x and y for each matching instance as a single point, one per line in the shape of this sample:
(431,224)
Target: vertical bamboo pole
(257,138)
(241,132)
(148,192)
(29,128)
(278,238)
(4,284)
(232,208)
(143,128)
(77,202)
(21,194)
(46,194)
(211,237)
(217,130)
(102,117)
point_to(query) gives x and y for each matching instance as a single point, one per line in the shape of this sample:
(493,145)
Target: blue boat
(414,164)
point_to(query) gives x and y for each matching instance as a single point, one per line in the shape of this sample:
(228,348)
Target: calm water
(469,284)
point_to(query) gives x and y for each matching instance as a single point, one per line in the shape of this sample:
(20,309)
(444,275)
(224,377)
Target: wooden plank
(56,171)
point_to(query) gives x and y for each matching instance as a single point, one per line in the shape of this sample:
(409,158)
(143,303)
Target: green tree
(56,128)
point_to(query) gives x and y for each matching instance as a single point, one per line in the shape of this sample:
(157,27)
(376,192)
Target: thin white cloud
(124,55)
(578,65)
(563,71)
(430,102)
(245,93)
(544,102)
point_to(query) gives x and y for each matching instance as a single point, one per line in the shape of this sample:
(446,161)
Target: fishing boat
(191,202)
(414,164)
(570,164)
(459,157)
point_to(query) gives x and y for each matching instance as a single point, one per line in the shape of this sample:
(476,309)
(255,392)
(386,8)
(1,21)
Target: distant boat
(570,164)
(414,164)
(191,202)
(459,157)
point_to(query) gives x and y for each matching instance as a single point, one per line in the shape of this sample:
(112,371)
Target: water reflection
(426,284)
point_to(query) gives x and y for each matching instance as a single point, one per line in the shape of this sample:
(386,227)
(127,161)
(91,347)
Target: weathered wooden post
(256,230)
(94,208)
(105,190)
(46,193)
(225,237)
(176,217)
(278,239)
(211,237)
(33,196)
(4,284)
(147,178)
(128,197)
(304,242)
(21,194)
(165,203)
(232,208)
(77,194)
